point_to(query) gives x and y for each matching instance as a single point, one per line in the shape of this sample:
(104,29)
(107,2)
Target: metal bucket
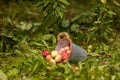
(77,53)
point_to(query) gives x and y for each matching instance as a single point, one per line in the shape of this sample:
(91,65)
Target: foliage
(29,27)
(23,24)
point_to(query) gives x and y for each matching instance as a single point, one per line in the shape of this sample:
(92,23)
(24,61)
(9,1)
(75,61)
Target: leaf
(13,72)
(116,3)
(37,44)
(45,43)
(23,25)
(65,23)
(34,68)
(111,13)
(3,76)
(53,39)
(103,1)
(59,12)
(64,2)
(46,37)
(75,28)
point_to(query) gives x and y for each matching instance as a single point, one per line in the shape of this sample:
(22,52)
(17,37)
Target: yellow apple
(54,53)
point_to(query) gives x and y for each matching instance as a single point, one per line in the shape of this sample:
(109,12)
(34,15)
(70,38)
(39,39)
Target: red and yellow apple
(65,56)
(54,53)
(48,57)
(58,58)
(52,61)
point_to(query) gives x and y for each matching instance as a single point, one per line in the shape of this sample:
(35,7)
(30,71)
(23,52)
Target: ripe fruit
(45,53)
(68,51)
(54,53)
(52,61)
(58,58)
(75,68)
(48,57)
(67,48)
(63,51)
(65,56)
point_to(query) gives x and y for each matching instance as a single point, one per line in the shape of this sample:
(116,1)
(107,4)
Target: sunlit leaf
(34,68)
(46,37)
(13,72)
(45,43)
(103,1)
(3,76)
(75,28)
(65,23)
(64,1)
(117,3)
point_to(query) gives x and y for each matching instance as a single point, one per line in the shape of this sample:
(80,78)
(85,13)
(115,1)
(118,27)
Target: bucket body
(77,53)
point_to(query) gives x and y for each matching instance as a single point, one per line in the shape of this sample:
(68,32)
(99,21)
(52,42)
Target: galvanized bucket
(77,53)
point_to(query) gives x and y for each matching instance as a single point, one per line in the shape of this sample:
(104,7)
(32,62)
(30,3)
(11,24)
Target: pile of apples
(57,56)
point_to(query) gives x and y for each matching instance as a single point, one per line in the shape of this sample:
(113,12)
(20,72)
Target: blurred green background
(27,27)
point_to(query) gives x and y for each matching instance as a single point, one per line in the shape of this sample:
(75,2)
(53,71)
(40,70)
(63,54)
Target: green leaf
(23,25)
(64,2)
(13,72)
(37,44)
(46,37)
(116,3)
(65,23)
(75,28)
(3,76)
(53,39)
(45,43)
(34,68)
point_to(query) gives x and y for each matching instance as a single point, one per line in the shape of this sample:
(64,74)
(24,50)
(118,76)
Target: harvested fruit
(65,56)
(75,68)
(48,57)
(61,50)
(45,53)
(67,48)
(68,51)
(54,53)
(52,61)
(58,58)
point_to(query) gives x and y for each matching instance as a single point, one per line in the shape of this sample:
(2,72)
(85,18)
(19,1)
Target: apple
(75,68)
(52,61)
(58,58)
(67,48)
(45,53)
(54,53)
(62,50)
(65,56)
(48,57)
(68,51)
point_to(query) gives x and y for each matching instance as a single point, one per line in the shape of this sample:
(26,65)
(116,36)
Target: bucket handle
(63,34)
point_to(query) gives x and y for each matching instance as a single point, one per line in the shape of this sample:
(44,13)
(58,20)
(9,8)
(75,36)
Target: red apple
(65,56)
(63,51)
(54,53)
(45,53)
(52,61)
(48,57)
(58,58)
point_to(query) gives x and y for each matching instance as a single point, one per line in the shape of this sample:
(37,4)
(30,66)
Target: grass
(102,64)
